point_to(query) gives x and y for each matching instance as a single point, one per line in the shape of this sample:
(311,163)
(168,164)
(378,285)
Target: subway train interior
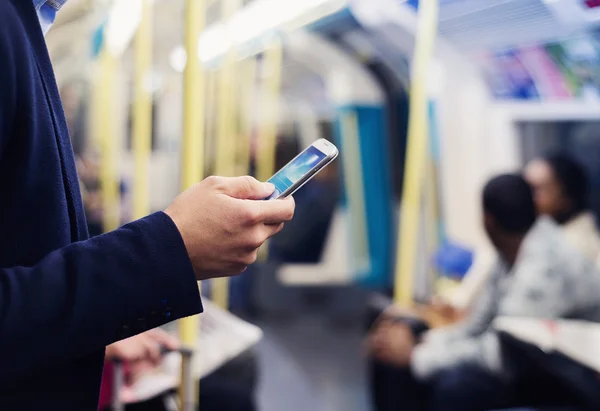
(427,101)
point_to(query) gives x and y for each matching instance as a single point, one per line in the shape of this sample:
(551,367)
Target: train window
(581,139)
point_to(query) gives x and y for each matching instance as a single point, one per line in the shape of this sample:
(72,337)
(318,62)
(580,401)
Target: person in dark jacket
(64,297)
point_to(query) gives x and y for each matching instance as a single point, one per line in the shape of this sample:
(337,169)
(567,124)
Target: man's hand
(392,343)
(145,347)
(444,308)
(223,222)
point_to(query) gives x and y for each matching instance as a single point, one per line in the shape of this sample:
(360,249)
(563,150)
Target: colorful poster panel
(549,80)
(519,83)
(506,76)
(495,80)
(584,57)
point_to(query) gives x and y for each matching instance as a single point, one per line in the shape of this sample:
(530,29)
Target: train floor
(311,363)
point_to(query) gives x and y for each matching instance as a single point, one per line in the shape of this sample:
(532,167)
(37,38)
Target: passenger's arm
(465,295)
(541,289)
(477,320)
(85,296)
(468,341)
(538,289)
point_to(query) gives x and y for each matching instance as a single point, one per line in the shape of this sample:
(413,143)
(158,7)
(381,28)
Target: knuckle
(212,181)
(249,258)
(290,213)
(251,215)
(247,184)
(256,240)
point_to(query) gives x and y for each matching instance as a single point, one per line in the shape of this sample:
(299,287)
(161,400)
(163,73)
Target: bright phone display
(298,171)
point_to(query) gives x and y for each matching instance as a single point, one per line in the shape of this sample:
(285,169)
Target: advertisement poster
(584,57)
(517,79)
(568,69)
(495,80)
(559,55)
(591,4)
(549,80)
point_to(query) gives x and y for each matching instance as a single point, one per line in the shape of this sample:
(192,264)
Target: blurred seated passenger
(561,189)
(462,368)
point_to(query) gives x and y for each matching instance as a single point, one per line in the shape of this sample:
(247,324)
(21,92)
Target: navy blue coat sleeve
(76,300)
(8,88)
(87,295)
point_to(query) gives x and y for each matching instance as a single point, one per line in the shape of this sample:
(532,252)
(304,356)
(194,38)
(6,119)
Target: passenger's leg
(221,394)
(395,389)
(469,388)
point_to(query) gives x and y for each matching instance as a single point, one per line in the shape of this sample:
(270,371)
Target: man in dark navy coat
(64,297)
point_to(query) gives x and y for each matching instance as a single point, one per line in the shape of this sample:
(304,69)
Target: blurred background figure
(537,275)
(561,191)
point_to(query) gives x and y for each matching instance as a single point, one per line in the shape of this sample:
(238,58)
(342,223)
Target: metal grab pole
(226,138)
(416,153)
(192,159)
(142,113)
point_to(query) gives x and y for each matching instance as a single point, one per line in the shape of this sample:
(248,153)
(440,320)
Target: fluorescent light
(252,22)
(178,59)
(124,19)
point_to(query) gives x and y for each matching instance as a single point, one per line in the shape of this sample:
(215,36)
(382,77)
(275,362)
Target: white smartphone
(302,168)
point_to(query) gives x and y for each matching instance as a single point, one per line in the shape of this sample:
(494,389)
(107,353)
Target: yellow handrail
(417,143)
(431,216)
(267,131)
(267,128)
(142,113)
(210,126)
(247,87)
(108,140)
(226,133)
(192,154)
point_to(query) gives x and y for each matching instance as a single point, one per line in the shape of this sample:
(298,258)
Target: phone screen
(295,170)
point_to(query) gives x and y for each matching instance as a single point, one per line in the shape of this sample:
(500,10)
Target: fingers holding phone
(223,222)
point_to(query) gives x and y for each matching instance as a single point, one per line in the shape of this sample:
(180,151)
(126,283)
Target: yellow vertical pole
(192,154)
(226,138)
(211,110)
(267,131)
(267,128)
(108,140)
(94,127)
(247,86)
(142,113)
(431,216)
(417,143)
